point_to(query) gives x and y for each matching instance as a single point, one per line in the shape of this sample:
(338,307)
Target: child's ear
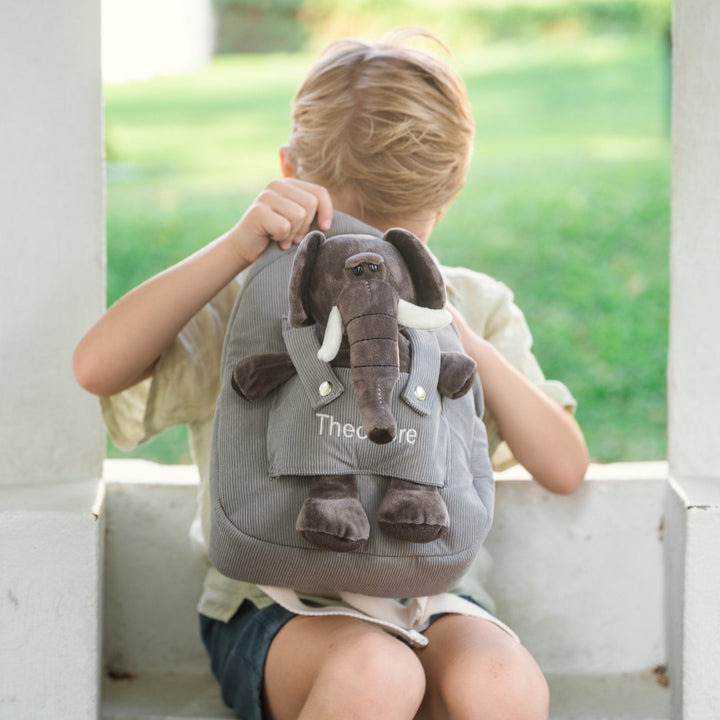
(286,164)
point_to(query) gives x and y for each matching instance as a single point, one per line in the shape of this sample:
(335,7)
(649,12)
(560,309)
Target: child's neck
(422,227)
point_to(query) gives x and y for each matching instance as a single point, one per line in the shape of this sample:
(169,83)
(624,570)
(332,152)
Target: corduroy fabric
(253,536)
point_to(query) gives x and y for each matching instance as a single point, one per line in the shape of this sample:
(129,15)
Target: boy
(381,133)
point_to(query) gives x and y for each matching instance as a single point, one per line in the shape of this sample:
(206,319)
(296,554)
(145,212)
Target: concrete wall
(51,557)
(51,437)
(52,263)
(693,504)
(694,380)
(562,575)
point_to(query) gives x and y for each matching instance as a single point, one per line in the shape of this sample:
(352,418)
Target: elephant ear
(299,289)
(428,282)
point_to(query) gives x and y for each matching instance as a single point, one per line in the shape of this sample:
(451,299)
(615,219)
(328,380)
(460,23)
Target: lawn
(567,202)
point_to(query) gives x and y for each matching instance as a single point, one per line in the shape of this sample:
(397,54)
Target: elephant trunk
(369,313)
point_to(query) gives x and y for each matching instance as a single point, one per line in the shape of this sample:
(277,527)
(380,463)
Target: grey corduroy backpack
(306,492)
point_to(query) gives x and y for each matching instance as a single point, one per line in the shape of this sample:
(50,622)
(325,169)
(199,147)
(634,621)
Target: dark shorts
(238,650)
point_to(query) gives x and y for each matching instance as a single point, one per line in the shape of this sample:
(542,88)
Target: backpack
(270,445)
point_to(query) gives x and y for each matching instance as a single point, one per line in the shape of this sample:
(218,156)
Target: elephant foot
(332,517)
(413,512)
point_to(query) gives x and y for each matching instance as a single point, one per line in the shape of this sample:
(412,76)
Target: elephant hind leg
(332,517)
(413,512)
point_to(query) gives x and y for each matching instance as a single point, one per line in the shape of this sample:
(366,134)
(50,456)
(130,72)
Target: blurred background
(567,200)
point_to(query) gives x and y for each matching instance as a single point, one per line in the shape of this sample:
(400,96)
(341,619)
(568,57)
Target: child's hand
(283,213)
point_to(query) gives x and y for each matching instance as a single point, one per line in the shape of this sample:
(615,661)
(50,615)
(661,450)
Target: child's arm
(123,346)
(543,437)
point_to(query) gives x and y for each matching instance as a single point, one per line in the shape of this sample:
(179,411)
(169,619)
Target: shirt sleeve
(184,385)
(489,307)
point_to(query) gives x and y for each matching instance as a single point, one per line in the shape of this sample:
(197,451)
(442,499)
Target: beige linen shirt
(186,383)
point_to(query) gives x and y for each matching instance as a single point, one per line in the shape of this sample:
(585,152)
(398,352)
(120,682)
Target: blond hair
(387,123)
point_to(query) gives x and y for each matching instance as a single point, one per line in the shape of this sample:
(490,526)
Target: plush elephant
(361,291)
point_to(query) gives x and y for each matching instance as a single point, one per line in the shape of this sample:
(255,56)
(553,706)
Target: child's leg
(476,671)
(337,667)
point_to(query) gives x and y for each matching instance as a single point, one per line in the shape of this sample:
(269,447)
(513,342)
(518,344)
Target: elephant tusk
(333,336)
(422,318)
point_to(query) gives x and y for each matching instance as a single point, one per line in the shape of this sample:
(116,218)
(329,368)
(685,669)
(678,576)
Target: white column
(693,509)
(694,380)
(51,236)
(51,437)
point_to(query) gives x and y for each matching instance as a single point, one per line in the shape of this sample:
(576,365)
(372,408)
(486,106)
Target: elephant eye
(372,267)
(358,270)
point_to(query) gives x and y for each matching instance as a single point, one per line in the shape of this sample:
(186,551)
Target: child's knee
(523,681)
(381,665)
(503,685)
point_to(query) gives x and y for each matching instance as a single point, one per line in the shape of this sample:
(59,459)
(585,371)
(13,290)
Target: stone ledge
(163,697)
(563,577)
(133,470)
(51,555)
(83,497)
(636,696)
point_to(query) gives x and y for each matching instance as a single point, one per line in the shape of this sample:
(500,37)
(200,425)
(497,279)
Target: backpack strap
(407,620)
(290,600)
(424,370)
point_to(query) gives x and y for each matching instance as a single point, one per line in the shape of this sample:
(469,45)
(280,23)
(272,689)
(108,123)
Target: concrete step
(631,696)
(563,578)
(163,696)
(590,611)
(636,696)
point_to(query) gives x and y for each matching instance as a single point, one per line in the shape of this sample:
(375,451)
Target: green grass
(567,202)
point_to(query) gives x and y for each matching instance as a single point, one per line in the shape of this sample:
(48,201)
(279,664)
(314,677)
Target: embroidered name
(330,427)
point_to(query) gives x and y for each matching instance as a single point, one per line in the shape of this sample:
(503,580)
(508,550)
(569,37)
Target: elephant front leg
(332,517)
(413,512)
